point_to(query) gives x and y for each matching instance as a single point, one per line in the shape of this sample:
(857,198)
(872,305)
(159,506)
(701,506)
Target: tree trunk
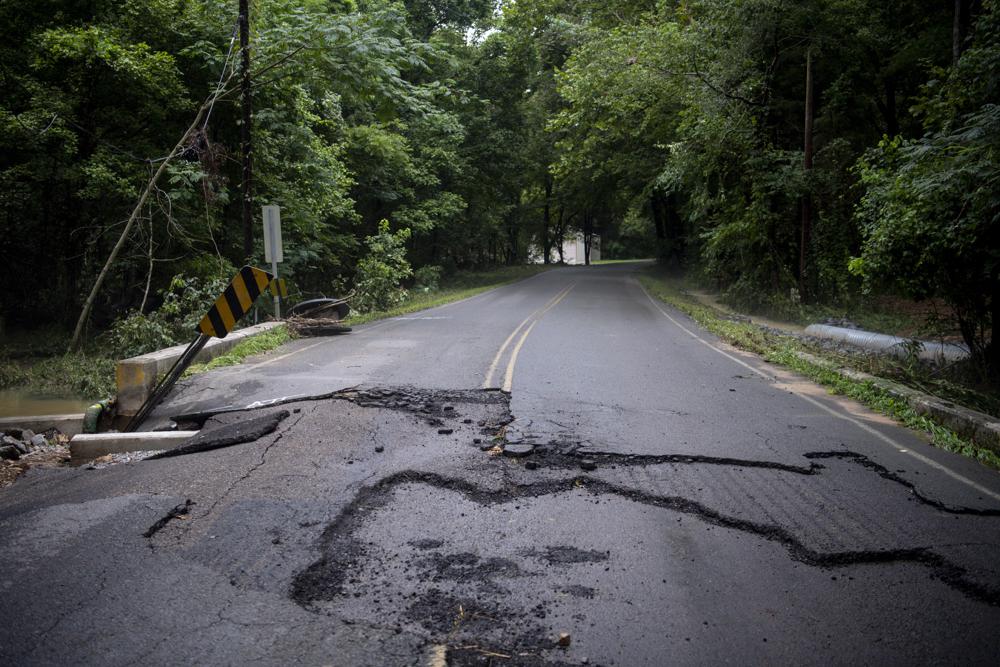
(891,118)
(546,217)
(959,29)
(994,348)
(588,235)
(675,230)
(561,235)
(807,163)
(660,224)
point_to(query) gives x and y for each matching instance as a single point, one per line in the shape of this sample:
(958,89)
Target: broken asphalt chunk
(518,450)
(225,436)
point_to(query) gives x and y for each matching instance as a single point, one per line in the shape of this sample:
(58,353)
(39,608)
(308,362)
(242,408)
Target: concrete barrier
(70,425)
(136,377)
(91,445)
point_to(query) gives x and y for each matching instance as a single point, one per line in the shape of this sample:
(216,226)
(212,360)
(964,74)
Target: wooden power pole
(246,147)
(807,164)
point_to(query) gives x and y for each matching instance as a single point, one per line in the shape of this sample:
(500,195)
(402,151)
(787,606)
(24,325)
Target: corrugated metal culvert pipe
(899,347)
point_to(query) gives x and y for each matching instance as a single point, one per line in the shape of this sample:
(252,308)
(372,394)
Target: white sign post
(272,247)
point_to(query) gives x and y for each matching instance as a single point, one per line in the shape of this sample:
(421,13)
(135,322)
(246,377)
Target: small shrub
(185,302)
(138,334)
(11,374)
(427,278)
(75,374)
(382,270)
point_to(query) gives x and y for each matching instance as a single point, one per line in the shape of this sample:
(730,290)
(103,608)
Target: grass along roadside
(460,286)
(784,350)
(34,363)
(599,262)
(254,345)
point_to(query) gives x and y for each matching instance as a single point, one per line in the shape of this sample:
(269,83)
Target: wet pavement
(662,500)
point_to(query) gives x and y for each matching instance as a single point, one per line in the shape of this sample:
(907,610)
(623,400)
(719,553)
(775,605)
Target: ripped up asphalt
(387,525)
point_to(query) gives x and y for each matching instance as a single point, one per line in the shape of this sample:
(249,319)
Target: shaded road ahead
(682,503)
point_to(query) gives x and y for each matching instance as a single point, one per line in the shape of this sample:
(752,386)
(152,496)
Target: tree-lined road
(683,503)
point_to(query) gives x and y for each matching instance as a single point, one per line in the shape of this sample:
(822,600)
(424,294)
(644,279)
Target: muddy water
(22,402)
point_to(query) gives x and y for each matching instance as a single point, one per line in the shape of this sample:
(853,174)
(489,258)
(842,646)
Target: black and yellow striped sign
(234,302)
(279,288)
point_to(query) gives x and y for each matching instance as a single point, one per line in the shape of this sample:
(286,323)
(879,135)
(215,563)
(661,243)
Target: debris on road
(117,458)
(303,326)
(230,434)
(518,450)
(21,449)
(564,639)
(319,317)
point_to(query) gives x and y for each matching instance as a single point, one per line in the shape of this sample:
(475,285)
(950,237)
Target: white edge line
(267,362)
(839,415)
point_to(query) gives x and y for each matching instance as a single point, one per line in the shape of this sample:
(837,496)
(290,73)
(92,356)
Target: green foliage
(183,303)
(75,374)
(138,334)
(930,209)
(381,272)
(668,129)
(461,285)
(427,278)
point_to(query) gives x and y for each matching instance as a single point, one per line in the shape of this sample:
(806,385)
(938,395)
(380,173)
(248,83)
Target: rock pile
(22,448)
(16,442)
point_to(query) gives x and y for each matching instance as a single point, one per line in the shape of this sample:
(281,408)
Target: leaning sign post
(234,302)
(273,250)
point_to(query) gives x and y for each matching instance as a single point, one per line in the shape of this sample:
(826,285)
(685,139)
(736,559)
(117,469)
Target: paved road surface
(684,503)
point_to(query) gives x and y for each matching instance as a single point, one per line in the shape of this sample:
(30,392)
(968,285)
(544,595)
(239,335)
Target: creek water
(23,402)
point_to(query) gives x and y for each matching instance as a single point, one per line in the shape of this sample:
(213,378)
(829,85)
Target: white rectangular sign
(272,234)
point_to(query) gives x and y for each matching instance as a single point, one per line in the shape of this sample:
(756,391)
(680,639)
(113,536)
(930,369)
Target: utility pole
(807,164)
(246,147)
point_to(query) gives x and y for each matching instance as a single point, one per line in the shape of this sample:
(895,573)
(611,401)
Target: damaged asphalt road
(650,516)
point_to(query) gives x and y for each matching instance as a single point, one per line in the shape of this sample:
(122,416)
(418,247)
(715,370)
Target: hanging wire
(219,87)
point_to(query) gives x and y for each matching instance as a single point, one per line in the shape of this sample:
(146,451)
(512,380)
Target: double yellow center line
(530,321)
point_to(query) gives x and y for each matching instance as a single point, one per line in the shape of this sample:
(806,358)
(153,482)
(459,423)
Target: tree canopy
(783,150)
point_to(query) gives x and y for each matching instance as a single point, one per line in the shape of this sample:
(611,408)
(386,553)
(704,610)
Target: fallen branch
(89,303)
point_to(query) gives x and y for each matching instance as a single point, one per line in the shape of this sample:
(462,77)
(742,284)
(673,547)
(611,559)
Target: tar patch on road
(178,512)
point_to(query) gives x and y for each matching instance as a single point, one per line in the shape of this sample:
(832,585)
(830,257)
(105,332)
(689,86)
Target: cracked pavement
(683,503)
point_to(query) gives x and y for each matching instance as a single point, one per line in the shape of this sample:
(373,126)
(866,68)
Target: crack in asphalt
(254,467)
(571,457)
(629,460)
(177,512)
(326,579)
(885,473)
(43,636)
(429,403)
